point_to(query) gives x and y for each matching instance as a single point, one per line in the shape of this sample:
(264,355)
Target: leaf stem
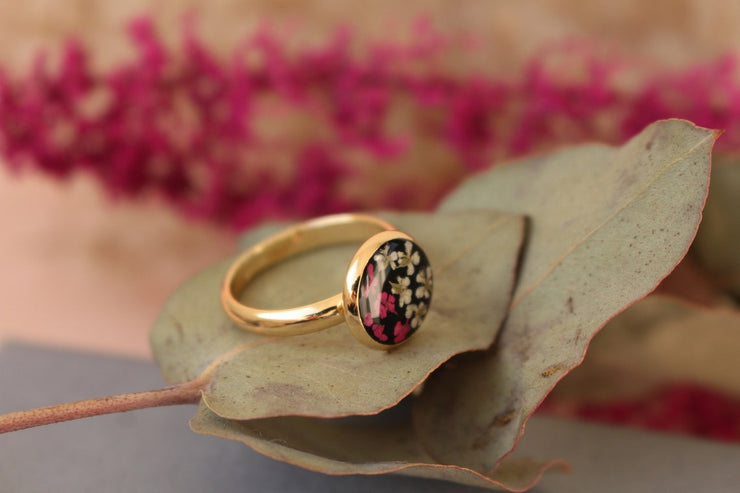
(183,393)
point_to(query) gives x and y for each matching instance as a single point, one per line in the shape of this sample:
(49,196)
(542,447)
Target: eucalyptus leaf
(607,224)
(718,242)
(361,446)
(657,341)
(328,373)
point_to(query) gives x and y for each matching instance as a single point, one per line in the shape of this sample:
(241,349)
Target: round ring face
(395,291)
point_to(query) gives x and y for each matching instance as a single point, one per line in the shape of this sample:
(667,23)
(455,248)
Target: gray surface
(154,451)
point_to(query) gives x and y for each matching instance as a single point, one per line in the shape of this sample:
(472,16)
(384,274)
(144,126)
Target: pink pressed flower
(387,304)
(401,331)
(370,273)
(378,331)
(372,292)
(368,319)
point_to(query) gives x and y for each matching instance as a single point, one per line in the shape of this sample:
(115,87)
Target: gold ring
(386,293)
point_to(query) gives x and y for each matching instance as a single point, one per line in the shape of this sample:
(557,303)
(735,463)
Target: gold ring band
(386,293)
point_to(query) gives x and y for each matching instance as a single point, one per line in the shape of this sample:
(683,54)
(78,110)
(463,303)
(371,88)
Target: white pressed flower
(424,278)
(401,289)
(383,259)
(408,259)
(416,313)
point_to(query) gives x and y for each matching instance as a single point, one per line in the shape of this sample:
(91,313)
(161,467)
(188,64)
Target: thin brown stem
(184,393)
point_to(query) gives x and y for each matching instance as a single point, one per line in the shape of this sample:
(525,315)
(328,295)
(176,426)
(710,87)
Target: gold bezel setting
(381,313)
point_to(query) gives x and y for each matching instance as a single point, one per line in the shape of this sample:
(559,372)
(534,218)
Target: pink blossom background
(276,131)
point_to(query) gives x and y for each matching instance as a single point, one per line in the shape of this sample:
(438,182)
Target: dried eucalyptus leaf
(718,242)
(329,373)
(657,341)
(360,446)
(607,224)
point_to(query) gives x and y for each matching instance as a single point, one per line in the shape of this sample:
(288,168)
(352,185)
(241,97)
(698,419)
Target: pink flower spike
(279,131)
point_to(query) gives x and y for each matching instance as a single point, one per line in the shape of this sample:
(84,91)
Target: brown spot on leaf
(504,418)
(551,370)
(501,419)
(569,304)
(177,325)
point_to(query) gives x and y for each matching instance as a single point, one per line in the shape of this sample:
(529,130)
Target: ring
(386,293)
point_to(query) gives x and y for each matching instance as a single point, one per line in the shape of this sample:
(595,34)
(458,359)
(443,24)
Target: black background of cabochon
(391,275)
